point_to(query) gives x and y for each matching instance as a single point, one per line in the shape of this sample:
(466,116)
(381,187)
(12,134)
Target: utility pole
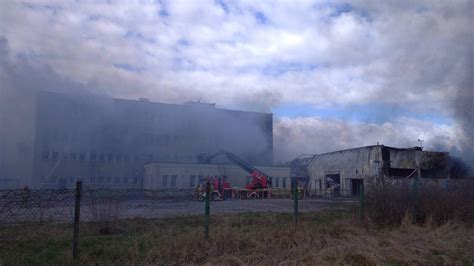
(420,141)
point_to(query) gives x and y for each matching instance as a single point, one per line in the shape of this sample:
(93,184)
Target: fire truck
(259,180)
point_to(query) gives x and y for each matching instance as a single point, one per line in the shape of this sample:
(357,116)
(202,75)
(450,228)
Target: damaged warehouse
(341,172)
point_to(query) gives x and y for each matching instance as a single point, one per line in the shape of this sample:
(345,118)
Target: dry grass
(264,238)
(389,205)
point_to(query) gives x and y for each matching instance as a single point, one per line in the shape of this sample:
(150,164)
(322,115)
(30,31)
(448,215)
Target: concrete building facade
(185,176)
(106,142)
(373,165)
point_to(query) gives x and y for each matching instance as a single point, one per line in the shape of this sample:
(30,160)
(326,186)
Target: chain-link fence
(73,217)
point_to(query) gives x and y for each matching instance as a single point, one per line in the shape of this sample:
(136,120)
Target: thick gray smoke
(463,106)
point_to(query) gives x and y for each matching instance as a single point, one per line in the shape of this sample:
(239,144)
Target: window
(125,180)
(101,157)
(45,155)
(93,156)
(283,181)
(192,181)
(55,155)
(173,181)
(247,180)
(224,178)
(135,180)
(277,182)
(201,179)
(126,158)
(110,157)
(116,180)
(164,181)
(118,157)
(109,179)
(270,179)
(73,156)
(82,156)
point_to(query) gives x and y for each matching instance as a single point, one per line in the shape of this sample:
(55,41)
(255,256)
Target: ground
(323,237)
(163,208)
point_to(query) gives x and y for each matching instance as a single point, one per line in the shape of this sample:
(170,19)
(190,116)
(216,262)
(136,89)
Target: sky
(335,74)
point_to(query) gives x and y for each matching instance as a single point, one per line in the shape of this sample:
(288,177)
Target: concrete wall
(185,173)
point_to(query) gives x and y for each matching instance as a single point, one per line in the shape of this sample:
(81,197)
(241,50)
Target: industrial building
(59,138)
(183,176)
(345,170)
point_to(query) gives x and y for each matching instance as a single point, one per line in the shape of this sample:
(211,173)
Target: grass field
(329,237)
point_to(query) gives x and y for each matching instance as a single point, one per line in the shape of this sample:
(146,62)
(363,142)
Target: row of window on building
(95,180)
(170,181)
(63,136)
(111,157)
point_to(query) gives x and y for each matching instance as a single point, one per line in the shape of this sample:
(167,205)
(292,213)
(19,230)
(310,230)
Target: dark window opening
(110,157)
(55,155)
(101,157)
(45,155)
(402,173)
(82,156)
(355,186)
(73,156)
(93,156)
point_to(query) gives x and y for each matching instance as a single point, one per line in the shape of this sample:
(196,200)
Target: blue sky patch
(260,17)
(223,5)
(128,67)
(377,113)
(282,68)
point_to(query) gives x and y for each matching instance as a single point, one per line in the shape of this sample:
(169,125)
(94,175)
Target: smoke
(464,109)
(200,129)
(294,136)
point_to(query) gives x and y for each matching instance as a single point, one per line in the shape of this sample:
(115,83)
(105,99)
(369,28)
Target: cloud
(260,55)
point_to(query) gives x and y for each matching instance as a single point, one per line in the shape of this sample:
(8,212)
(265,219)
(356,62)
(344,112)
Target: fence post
(415,185)
(361,200)
(295,193)
(77,212)
(206,209)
